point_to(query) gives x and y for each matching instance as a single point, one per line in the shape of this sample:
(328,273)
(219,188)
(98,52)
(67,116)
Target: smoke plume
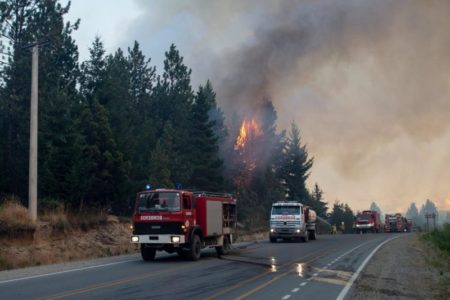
(368,83)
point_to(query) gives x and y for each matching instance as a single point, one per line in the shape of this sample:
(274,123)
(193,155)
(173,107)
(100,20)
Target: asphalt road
(321,269)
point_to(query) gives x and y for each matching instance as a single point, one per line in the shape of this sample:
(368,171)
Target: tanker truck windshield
(285,210)
(151,202)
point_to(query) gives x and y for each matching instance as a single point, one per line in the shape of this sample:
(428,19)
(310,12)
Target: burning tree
(255,163)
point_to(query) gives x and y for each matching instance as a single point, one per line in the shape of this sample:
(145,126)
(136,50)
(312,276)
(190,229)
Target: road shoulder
(398,270)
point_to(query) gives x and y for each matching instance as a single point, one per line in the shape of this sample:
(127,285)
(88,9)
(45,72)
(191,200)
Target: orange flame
(249,130)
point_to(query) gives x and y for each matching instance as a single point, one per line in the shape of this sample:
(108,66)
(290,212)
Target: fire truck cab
(183,221)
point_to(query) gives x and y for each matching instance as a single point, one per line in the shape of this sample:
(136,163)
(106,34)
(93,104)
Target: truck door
(188,208)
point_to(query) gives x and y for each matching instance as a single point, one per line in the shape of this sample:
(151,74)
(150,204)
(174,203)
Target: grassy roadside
(61,236)
(58,236)
(437,244)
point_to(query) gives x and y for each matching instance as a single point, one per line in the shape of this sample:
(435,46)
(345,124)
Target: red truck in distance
(368,221)
(396,223)
(183,221)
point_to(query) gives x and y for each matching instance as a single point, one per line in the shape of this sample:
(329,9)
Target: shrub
(57,219)
(440,238)
(14,218)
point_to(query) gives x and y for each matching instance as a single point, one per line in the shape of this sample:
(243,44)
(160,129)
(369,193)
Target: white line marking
(347,287)
(325,267)
(67,271)
(315,274)
(303,283)
(295,290)
(329,264)
(286,297)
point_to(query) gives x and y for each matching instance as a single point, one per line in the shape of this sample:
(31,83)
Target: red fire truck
(368,220)
(183,221)
(395,223)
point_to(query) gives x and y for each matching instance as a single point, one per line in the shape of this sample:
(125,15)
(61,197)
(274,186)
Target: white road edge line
(295,290)
(355,275)
(303,283)
(66,271)
(286,297)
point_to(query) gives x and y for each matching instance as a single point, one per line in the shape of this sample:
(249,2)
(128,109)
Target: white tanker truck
(292,220)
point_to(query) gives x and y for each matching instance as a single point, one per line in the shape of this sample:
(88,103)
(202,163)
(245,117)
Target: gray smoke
(368,82)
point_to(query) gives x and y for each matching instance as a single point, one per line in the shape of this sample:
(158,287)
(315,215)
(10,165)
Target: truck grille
(157,228)
(285,223)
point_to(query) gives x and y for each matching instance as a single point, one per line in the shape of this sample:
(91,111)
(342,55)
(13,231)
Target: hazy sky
(368,82)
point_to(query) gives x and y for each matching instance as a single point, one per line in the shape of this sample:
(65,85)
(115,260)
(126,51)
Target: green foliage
(111,125)
(440,238)
(317,202)
(159,162)
(207,167)
(342,216)
(296,167)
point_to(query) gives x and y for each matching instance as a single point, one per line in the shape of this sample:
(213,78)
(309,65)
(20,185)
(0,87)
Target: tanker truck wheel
(194,251)
(147,253)
(305,238)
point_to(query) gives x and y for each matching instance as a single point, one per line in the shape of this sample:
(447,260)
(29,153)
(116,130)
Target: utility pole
(33,176)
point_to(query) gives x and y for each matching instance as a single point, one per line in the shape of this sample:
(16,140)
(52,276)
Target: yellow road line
(276,278)
(238,285)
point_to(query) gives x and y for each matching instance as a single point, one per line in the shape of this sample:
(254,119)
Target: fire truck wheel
(225,249)
(147,253)
(194,252)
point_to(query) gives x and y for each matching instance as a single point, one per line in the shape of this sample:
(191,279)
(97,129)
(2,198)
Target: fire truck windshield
(158,201)
(364,217)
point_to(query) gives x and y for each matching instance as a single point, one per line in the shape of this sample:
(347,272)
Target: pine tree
(100,167)
(342,217)
(106,170)
(173,102)
(215,113)
(206,164)
(159,171)
(27,22)
(93,70)
(144,132)
(296,167)
(413,214)
(317,203)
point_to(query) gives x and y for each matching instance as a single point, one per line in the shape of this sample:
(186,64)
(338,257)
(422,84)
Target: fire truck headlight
(298,230)
(272,230)
(135,239)
(175,239)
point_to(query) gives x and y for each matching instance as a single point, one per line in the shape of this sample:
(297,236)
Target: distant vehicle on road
(292,220)
(183,221)
(395,223)
(368,221)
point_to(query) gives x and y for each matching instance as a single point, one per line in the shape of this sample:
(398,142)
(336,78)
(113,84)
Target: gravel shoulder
(400,269)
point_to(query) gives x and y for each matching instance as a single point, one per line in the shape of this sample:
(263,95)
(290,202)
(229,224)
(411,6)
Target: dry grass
(14,218)
(63,221)
(51,245)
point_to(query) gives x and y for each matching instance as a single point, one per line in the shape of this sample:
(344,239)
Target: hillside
(48,246)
